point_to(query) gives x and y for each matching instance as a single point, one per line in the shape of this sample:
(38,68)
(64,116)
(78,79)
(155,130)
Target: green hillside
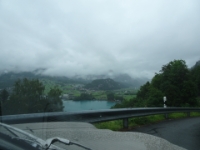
(103,84)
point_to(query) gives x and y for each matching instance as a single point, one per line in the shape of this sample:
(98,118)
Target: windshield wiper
(39,142)
(62,140)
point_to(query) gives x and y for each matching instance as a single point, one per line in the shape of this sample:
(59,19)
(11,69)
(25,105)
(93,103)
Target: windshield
(112,65)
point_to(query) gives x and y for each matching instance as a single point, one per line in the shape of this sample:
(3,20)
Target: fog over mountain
(8,79)
(97,38)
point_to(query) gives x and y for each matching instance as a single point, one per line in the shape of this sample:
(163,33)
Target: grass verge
(117,125)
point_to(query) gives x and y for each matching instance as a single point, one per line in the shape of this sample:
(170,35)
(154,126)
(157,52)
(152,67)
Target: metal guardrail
(93,116)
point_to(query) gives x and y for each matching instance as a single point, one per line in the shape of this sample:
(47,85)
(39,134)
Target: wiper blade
(11,131)
(39,142)
(35,139)
(64,141)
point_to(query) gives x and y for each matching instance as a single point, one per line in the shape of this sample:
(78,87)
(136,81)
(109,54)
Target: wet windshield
(115,65)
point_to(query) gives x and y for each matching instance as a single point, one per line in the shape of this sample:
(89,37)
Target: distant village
(81,89)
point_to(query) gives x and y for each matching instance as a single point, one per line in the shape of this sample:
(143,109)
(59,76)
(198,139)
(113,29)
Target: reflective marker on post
(165,99)
(165,106)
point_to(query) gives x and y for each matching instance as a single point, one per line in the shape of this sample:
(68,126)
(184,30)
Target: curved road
(182,132)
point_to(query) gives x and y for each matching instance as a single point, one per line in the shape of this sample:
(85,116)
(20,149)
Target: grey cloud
(93,37)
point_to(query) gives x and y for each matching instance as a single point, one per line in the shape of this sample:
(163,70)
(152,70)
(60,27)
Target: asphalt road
(182,132)
(96,139)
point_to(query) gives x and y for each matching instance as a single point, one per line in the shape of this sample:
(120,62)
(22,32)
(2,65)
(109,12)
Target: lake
(70,105)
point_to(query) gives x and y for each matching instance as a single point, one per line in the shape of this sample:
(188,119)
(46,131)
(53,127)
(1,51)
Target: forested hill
(197,64)
(180,85)
(8,79)
(103,84)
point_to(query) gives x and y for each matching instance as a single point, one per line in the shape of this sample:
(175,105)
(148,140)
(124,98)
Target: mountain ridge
(7,79)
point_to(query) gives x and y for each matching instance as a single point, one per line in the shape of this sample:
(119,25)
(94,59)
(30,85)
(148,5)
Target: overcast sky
(81,37)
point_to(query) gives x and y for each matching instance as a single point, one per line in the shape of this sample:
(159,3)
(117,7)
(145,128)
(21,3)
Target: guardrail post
(166,116)
(188,114)
(125,123)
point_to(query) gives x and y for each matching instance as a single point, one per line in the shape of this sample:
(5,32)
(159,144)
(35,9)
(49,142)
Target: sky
(76,37)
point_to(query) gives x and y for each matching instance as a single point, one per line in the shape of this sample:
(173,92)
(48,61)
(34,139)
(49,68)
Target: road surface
(96,139)
(182,132)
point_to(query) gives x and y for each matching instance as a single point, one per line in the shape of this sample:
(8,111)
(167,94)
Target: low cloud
(93,37)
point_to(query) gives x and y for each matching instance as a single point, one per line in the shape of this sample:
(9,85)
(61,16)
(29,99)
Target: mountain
(128,81)
(7,79)
(196,64)
(124,79)
(103,84)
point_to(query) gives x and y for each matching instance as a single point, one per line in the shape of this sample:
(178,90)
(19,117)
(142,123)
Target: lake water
(70,105)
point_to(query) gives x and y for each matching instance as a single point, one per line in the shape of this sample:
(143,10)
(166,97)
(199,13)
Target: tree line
(28,96)
(176,81)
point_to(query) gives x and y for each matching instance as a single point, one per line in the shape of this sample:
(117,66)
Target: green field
(65,88)
(99,95)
